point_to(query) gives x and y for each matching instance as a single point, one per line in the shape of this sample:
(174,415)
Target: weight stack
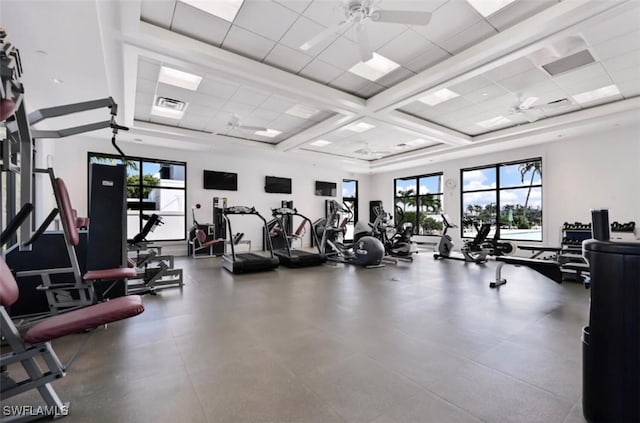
(106,244)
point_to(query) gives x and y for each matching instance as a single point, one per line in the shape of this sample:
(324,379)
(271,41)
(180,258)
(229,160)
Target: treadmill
(291,257)
(246,262)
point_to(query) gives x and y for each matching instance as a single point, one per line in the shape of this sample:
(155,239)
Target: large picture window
(418,200)
(508,196)
(350,198)
(153,186)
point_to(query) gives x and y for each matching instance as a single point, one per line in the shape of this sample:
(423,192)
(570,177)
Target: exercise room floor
(427,341)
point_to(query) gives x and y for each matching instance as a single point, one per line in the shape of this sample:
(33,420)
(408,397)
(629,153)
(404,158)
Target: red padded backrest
(300,228)
(8,285)
(202,237)
(66,212)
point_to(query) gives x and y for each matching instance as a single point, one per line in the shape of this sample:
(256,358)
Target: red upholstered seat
(131,263)
(110,274)
(85,318)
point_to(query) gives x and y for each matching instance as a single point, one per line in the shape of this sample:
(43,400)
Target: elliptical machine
(395,238)
(367,251)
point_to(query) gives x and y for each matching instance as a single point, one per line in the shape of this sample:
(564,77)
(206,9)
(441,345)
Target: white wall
(599,170)
(70,163)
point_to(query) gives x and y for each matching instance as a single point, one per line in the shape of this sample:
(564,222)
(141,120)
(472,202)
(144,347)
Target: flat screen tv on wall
(277,185)
(326,189)
(220,180)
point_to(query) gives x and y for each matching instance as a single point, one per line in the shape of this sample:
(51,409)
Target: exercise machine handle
(15,223)
(43,227)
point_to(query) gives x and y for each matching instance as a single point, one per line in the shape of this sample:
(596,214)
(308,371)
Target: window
(153,186)
(418,200)
(508,193)
(350,198)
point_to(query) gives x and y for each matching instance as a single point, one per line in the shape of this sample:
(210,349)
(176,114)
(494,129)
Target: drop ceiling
(253,69)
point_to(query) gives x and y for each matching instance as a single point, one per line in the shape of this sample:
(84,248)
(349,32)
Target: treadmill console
(239,210)
(284,210)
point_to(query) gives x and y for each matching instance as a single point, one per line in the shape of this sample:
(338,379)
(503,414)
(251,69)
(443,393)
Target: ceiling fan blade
(252,128)
(406,17)
(528,102)
(362,36)
(326,33)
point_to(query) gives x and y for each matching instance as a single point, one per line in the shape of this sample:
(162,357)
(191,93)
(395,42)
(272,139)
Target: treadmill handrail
(244,210)
(314,235)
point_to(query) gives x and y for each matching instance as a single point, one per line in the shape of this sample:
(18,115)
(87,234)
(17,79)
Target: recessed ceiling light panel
(225,9)
(179,78)
(438,97)
(320,143)
(269,133)
(417,142)
(586,97)
(359,127)
(302,111)
(489,7)
(490,123)
(374,68)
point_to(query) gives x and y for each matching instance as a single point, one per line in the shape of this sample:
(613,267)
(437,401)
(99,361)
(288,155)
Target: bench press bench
(36,342)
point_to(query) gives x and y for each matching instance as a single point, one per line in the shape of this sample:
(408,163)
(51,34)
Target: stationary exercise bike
(476,250)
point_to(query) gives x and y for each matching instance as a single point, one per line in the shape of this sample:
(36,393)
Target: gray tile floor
(427,341)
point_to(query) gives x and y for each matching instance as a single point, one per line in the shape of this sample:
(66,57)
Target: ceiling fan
(527,108)
(357,13)
(234,123)
(369,152)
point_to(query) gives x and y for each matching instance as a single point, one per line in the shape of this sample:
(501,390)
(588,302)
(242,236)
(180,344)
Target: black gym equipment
(611,342)
(289,256)
(367,251)
(395,238)
(246,262)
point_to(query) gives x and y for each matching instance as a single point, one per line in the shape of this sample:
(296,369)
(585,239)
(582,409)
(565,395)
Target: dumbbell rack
(572,264)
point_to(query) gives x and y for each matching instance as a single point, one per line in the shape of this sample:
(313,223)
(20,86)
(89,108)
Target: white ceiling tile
(247,43)
(342,54)
(195,122)
(625,61)
(625,75)
(264,114)
(369,90)
(303,30)
(414,107)
(602,101)
(320,71)
(612,28)
(477,32)
(278,103)
(142,111)
(296,5)
(324,12)
(157,12)
(240,109)
(629,88)
(485,93)
(517,12)
(582,86)
(148,70)
(394,77)
(164,121)
(405,47)
(349,82)
(522,81)
(286,122)
(164,90)
(378,33)
(447,107)
(266,18)
(250,96)
(617,46)
(581,75)
(144,98)
(451,18)
(431,57)
(199,110)
(146,86)
(199,25)
(217,88)
(509,69)
(288,59)
(470,85)
(411,5)
(208,100)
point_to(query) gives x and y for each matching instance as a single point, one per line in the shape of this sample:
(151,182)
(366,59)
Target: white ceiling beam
(491,53)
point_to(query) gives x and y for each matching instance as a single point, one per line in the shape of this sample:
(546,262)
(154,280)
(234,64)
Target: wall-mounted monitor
(326,189)
(277,185)
(220,180)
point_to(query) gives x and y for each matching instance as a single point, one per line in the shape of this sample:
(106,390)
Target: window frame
(142,186)
(416,196)
(354,201)
(498,189)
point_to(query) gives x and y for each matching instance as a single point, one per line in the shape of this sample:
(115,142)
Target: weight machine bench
(153,270)
(36,343)
(548,268)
